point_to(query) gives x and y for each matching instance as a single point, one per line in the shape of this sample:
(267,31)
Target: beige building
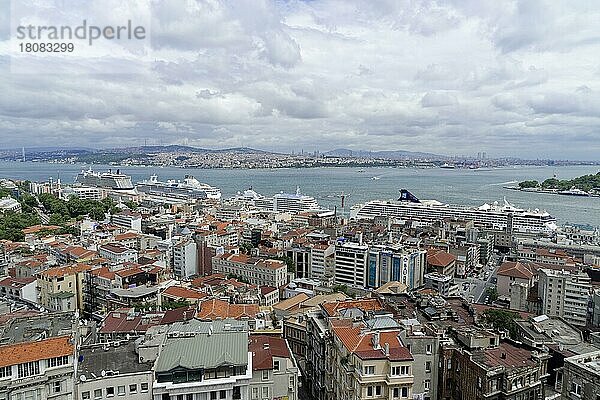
(565,294)
(369,364)
(512,273)
(255,270)
(61,288)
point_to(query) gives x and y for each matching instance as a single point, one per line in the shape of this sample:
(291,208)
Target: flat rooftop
(121,359)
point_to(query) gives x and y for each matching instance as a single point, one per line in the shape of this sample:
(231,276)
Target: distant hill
(387,154)
(174,148)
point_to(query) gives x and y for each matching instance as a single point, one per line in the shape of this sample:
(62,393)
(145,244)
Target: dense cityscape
(299,200)
(167,290)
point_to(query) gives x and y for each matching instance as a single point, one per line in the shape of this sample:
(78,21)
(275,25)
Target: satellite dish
(82,378)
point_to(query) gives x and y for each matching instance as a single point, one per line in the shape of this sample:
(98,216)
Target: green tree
(502,319)
(528,184)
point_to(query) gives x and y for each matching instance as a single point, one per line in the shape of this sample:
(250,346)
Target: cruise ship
(107,180)
(281,202)
(490,216)
(189,188)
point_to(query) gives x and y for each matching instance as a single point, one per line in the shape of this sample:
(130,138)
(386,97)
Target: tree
(502,319)
(528,184)
(492,293)
(12,225)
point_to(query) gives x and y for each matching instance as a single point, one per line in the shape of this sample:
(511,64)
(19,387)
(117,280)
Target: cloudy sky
(452,77)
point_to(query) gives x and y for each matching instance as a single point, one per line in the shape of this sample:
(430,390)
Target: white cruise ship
(189,188)
(495,216)
(107,180)
(281,202)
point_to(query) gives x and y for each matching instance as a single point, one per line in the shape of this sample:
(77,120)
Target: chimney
(376,341)
(386,348)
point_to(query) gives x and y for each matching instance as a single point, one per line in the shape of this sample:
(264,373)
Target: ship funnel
(405,195)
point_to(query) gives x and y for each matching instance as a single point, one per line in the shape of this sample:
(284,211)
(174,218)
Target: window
(144,387)
(396,393)
(57,387)
(213,395)
(265,374)
(427,385)
(28,369)
(98,394)
(402,370)
(404,391)
(575,389)
(222,394)
(121,390)
(378,390)
(5,372)
(428,349)
(427,366)
(370,370)
(237,393)
(265,392)
(276,365)
(85,395)
(254,393)
(110,391)
(132,388)
(189,396)
(369,391)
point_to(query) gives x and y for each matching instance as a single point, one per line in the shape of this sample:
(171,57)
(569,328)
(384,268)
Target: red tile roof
(58,272)
(219,309)
(183,293)
(264,348)
(361,343)
(439,258)
(333,309)
(19,353)
(517,269)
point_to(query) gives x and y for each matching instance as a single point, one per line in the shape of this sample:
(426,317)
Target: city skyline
(456,78)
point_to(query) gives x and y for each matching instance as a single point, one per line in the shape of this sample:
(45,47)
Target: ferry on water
(490,216)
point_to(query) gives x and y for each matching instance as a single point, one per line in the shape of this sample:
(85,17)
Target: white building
(320,257)
(9,204)
(351,264)
(37,370)
(118,253)
(105,371)
(219,368)
(19,289)
(185,258)
(565,294)
(128,220)
(275,373)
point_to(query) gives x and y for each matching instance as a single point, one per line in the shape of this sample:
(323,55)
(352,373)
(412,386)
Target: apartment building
(565,294)
(322,257)
(128,220)
(185,258)
(274,371)
(107,371)
(369,364)
(581,377)
(257,271)
(220,367)
(351,264)
(118,253)
(62,288)
(37,370)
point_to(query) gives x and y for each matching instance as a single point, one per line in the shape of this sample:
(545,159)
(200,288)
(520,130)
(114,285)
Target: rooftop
(210,351)
(13,354)
(123,358)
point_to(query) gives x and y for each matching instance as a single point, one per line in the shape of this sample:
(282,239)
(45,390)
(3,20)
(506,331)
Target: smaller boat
(574,192)
(447,166)
(375,178)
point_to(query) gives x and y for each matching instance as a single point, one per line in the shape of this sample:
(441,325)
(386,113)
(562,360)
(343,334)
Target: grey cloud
(438,99)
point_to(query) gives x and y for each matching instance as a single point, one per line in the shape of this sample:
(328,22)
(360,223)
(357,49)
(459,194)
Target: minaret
(23,154)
